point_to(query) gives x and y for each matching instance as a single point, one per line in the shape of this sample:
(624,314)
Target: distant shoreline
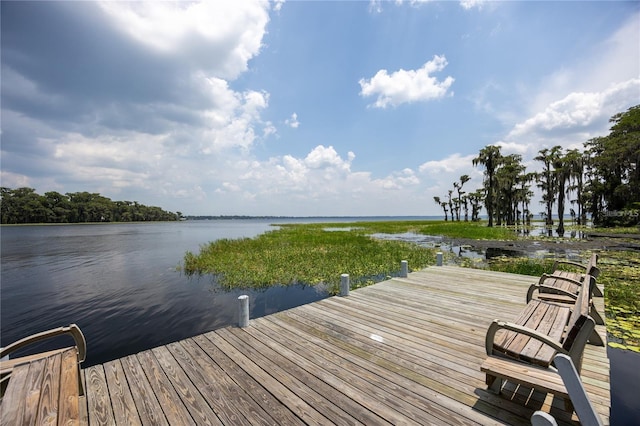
(247,217)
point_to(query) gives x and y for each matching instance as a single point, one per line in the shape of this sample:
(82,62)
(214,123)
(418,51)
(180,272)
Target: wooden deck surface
(403,351)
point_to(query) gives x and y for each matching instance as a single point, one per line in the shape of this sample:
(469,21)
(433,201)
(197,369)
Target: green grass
(618,230)
(474,230)
(521,265)
(620,275)
(320,252)
(304,254)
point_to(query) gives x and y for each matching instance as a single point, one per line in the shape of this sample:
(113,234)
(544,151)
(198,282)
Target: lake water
(119,283)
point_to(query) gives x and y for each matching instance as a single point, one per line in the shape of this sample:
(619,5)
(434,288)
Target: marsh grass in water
(304,254)
(620,275)
(521,265)
(321,252)
(474,230)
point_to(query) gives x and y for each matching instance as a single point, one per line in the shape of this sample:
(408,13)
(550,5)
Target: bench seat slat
(564,285)
(533,376)
(572,275)
(504,339)
(545,354)
(520,341)
(547,318)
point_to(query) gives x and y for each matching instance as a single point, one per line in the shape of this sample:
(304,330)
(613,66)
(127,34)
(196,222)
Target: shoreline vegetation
(318,253)
(25,206)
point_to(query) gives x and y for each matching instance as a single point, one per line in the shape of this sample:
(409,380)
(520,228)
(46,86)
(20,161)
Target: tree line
(24,205)
(602,181)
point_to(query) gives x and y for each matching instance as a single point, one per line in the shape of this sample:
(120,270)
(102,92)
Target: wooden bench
(522,351)
(591,268)
(565,290)
(44,387)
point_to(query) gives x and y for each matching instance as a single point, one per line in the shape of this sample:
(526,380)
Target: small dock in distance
(403,351)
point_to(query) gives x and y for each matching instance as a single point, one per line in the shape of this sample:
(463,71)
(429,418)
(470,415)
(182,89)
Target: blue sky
(301,108)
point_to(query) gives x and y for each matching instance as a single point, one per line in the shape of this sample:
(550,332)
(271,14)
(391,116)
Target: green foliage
(321,252)
(23,205)
(614,170)
(472,230)
(521,265)
(304,254)
(620,275)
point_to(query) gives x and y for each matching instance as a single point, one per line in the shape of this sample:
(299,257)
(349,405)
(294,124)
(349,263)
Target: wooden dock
(403,351)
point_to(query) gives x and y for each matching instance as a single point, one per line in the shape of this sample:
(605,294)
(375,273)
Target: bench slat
(49,392)
(504,338)
(545,353)
(13,404)
(32,392)
(520,341)
(529,375)
(546,318)
(69,403)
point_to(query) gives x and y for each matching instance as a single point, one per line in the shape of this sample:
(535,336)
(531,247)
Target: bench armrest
(503,325)
(72,330)
(543,277)
(534,287)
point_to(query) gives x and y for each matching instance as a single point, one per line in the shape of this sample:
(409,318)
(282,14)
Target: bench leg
(494,384)
(597,292)
(568,406)
(596,316)
(595,339)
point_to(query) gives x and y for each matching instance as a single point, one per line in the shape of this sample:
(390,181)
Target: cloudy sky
(301,108)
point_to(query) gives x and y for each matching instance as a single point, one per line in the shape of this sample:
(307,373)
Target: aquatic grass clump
(620,275)
(521,265)
(303,254)
(471,230)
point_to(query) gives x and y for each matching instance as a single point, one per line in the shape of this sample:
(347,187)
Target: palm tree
(463,179)
(507,176)
(456,201)
(475,198)
(489,157)
(575,162)
(562,175)
(524,195)
(546,180)
(443,205)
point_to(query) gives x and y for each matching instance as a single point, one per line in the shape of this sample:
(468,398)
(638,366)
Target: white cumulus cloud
(406,86)
(452,164)
(220,36)
(575,118)
(292,121)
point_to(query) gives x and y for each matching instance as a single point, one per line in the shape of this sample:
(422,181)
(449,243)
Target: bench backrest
(580,324)
(592,267)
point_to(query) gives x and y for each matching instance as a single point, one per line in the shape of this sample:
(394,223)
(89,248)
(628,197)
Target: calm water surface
(119,283)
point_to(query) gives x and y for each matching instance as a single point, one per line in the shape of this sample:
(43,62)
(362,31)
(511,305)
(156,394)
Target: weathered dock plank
(404,351)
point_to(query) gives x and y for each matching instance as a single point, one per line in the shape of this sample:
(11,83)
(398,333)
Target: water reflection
(120,285)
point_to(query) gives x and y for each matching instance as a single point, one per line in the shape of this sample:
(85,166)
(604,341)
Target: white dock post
(344,285)
(404,268)
(243,311)
(439,258)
